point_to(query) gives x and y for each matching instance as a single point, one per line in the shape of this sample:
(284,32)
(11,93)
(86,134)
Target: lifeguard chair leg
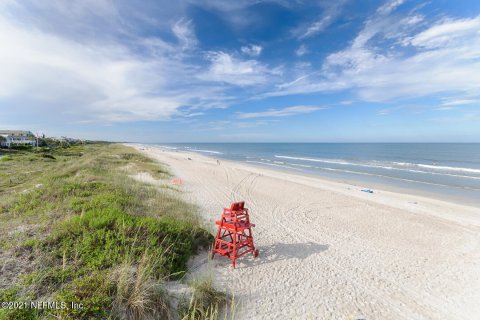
(215,243)
(234,256)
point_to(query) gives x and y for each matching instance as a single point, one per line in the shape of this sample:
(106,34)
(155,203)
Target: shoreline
(384,187)
(328,250)
(454,193)
(442,207)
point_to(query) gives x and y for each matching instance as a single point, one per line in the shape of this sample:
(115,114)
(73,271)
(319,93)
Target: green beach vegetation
(76,227)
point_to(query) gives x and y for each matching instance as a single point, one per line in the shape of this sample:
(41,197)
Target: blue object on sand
(367,190)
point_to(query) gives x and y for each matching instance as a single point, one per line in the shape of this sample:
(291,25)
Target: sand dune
(329,251)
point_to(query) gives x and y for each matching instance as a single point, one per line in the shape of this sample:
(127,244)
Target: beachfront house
(10,138)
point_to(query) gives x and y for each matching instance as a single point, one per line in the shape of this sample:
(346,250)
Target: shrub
(11,294)
(22,147)
(94,292)
(101,238)
(48,156)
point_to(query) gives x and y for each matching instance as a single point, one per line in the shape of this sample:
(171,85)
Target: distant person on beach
(218,162)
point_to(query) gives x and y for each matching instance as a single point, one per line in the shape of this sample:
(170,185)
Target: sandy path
(328,251)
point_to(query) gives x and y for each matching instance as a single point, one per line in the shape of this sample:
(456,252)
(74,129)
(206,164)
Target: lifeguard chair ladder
(234,236)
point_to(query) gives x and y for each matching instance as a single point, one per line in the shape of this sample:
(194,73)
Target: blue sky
(242,71)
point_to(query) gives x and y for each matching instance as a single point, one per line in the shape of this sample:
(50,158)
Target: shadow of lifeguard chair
(234,236)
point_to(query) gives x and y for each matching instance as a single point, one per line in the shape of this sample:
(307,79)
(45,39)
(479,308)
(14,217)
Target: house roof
(16,132)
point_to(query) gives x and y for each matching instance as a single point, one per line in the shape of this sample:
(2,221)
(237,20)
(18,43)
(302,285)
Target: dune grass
(205,301)
(93,235)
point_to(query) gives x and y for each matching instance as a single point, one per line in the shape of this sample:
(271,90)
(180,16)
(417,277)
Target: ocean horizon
(441,170)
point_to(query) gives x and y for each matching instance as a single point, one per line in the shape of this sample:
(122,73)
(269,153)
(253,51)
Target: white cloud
(228,69)
(317,26)
(389,6)
(413,19)
(438,66)
(252,50)
(80,80)
(194,114)
(415,108)
(459,102)
(442,58)
(445,108)
(331,10)
(183,30)
(285,112)
(302,50)
(61,70)
(447,33)
(108,81)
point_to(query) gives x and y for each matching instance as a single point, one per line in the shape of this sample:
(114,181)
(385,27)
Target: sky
(242,71)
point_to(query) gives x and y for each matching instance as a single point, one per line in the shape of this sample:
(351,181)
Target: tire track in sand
(245,187)
(305,234)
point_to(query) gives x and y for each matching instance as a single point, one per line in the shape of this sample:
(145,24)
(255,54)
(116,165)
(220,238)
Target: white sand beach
(330,251)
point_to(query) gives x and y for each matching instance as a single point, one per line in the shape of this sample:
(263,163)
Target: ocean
(445,170)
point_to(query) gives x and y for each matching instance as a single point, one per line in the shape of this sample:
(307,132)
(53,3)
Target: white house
(16,137)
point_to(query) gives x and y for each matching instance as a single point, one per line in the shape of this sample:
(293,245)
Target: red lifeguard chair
(234,237)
